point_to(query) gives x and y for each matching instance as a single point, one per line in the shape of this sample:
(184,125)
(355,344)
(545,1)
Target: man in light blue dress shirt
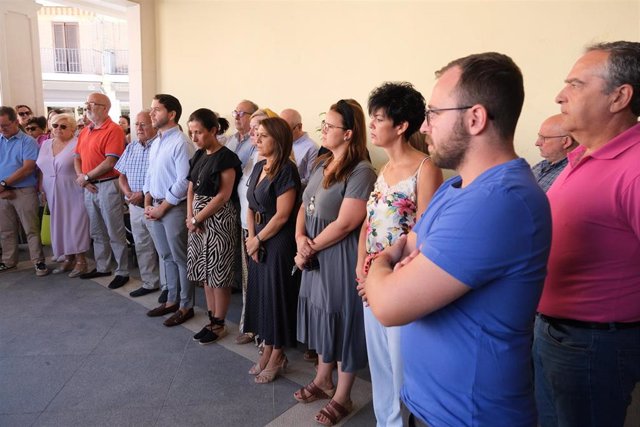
(165,206)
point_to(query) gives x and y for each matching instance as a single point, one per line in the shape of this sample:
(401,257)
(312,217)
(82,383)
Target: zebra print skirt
(211,254)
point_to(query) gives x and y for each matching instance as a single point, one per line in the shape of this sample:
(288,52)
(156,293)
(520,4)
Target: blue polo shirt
(13,152)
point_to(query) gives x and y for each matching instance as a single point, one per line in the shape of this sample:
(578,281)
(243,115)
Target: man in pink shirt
(587,336)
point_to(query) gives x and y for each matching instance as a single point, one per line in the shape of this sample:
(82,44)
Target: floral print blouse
(391,212)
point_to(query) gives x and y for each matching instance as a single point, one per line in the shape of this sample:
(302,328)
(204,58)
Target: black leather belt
(98,181)
(611,326)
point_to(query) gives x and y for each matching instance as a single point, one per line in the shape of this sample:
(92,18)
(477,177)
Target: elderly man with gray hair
(98,149)
(133,167)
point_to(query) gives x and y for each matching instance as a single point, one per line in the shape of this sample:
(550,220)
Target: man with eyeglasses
(554,144)
(239,142)
(24,114)
(587,336)
(133,166)
(305,150)
(99,147)
(18,196)
(466,281)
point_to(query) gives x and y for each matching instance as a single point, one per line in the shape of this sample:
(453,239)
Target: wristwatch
(193,221)
(87,179)
(3,183)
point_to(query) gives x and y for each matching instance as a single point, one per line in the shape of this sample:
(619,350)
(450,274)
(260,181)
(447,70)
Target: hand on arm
(405,294)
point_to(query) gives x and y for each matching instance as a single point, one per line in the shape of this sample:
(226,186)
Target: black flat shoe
(140,292)
(95,273)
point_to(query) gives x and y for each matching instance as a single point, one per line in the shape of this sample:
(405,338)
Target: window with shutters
(66,47)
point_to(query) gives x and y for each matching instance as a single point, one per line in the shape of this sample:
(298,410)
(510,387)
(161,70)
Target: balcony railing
(84,61)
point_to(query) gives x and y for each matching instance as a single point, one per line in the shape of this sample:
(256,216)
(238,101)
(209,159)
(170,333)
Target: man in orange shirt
(99,148)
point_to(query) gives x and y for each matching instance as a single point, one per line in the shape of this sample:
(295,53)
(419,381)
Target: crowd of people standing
(435,285)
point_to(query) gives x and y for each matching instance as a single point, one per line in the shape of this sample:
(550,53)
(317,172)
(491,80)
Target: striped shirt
(546,172)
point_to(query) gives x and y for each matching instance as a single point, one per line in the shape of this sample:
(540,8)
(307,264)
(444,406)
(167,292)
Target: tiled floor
(73,352)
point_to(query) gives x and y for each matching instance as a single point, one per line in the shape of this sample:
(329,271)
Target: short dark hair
(623,67)
(400,102)
(39,121)
(171,103)
(127,118)
(280,131)
(209,120)
(494,81)
(9,112)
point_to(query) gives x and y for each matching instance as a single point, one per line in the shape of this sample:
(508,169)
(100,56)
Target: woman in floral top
(401,193)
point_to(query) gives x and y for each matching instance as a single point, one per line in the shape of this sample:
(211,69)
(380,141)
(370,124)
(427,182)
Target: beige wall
(309,54)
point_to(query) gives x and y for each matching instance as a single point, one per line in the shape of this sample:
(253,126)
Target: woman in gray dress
(330,317)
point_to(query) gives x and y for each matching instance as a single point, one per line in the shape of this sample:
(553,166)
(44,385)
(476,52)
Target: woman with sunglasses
(401,193)
(69,224)
(330,318)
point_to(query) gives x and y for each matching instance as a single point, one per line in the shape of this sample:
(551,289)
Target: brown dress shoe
(163,309)
(179,317)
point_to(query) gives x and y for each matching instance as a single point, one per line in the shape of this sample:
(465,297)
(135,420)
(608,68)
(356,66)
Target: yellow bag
(45,228)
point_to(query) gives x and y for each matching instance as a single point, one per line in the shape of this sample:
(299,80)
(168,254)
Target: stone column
(20,70)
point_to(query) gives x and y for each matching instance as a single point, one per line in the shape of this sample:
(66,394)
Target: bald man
(304,149)
(99,147)
(554,143)
(239,142)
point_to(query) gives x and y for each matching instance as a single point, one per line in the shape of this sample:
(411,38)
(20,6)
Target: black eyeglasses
(428,113)
(30,128)
(56,126)
(25,113)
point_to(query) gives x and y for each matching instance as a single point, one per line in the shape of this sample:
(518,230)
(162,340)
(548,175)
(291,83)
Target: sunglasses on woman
(55,126)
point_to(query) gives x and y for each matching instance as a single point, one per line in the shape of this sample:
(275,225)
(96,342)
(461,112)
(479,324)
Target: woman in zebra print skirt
(212,201)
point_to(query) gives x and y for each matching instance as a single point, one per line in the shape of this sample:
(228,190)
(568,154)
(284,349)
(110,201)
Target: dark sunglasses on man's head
(24,113)
(31,128)
(56,125)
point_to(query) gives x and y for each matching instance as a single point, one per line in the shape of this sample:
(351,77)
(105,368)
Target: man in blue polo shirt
(472,269)
(18,196)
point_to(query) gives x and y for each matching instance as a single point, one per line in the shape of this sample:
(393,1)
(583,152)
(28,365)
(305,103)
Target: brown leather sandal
(334,413)
(311,392)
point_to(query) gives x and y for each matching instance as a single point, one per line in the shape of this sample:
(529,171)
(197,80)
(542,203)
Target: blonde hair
(69,118)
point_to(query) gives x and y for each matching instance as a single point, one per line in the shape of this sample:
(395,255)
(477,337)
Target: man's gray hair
(623,67)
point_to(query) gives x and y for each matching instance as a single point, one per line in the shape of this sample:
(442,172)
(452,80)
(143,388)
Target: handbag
(45,228)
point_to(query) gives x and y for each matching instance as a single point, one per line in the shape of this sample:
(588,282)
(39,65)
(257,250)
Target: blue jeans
(584,377)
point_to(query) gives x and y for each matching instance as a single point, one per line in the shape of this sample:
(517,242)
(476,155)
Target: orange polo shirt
(97,143)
